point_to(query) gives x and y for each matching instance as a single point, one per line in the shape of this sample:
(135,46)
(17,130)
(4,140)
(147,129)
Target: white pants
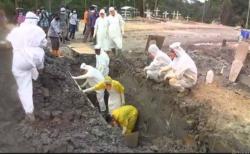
(181,84)
(115,43)
(114,101)
(100,99)
(103,41)
(22,72)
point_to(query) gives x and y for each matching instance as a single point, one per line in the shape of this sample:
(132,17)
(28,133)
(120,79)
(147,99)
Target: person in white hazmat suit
(182,72)
(160,59)
(93,77)
(115,31)
(102,61)
(27,42)
(101,30)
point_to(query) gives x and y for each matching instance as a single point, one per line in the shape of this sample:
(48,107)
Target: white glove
(88,90)
(124,129)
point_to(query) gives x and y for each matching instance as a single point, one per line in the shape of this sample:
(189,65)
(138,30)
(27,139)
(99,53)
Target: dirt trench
(67,123)
(167,122)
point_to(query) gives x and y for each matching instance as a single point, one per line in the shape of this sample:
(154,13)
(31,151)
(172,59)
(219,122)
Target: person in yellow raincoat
(115,90)
(125,117)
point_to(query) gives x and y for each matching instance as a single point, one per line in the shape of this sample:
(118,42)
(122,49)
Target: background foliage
(228,12)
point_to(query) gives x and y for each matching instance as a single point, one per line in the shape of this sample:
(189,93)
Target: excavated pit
(161,121)
(167,123)
(66,122)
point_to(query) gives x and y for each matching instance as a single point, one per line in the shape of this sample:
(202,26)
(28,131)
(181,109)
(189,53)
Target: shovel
(131,139)
(81,90)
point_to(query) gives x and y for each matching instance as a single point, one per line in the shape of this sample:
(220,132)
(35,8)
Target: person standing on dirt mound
(115,90)
(93,77)
(182,72)
(27,42)
(160,59)
(54,34)
(102,60)
(115,31)
(124,116)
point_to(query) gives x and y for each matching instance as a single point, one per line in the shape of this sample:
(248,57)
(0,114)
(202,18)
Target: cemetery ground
(213,118)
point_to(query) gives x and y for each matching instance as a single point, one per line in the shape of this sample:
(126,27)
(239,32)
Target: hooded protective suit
(27,41)
(101,31)
(102,62)
(93,77)
(115,30)
(160,60)
(126,116)
(184,69)
(116,93)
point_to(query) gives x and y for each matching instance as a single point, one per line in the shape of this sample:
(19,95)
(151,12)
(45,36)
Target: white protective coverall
(101,31)
(115,30)
(184,69)
(102,62)
(161,59)
(93,77)
(27,41)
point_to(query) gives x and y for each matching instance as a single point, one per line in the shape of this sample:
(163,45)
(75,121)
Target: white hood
(31,18)
(183,64)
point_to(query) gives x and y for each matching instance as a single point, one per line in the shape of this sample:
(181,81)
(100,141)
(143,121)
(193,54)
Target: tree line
(228,12)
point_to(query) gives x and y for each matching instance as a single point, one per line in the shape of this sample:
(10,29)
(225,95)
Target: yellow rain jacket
(126,116)
(115,84)
(116,94)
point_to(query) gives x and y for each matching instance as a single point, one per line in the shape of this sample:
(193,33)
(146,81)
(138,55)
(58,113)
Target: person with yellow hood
(115,90)
(125,117)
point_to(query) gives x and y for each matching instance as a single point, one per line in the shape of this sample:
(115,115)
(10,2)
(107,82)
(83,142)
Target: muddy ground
(213,118)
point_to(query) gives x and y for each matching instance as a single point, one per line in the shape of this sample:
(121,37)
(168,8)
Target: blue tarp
(245,33)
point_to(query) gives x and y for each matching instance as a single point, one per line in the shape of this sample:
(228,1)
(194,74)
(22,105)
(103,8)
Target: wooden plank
(241,52)
(239,58)
(235,70)
(82,48)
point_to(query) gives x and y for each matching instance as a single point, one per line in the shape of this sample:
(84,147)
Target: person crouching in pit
(125,117)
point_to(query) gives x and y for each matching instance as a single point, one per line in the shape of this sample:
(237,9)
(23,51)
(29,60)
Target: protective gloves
(88,90)
(124,129)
